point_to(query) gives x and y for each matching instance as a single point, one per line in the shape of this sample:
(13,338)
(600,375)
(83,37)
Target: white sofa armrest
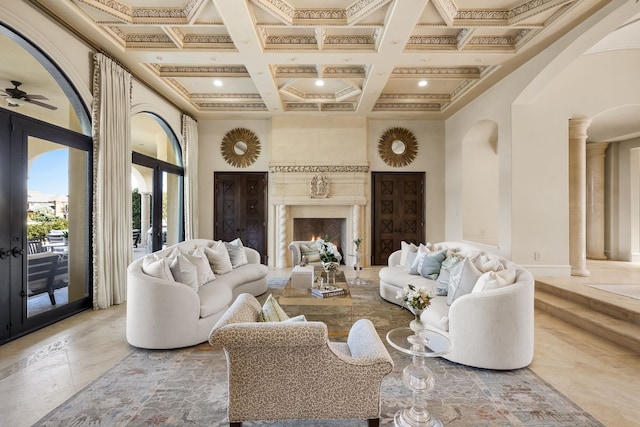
(480,323)
(253,256)
(155,304)
(394,259)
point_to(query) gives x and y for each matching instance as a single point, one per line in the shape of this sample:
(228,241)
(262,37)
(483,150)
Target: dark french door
(45,281)
(240,209)
(166,202)
(398,212)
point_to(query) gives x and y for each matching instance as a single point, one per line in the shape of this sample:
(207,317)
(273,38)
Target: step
(584,316)
(596,300)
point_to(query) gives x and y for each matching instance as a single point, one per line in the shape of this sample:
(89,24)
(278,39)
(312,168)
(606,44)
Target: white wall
(532,108)
(430,159)
(210,135)
(325,141)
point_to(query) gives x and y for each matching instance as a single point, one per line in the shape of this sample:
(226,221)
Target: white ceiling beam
(392,41)
(240,25)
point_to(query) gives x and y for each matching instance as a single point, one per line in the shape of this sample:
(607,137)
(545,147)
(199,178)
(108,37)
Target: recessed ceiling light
(423,83)
(319,82)
(217,83)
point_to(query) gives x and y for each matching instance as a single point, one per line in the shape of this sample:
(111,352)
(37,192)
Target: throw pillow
(420,253)
(157,267)
(408,254)
(484,263)
(236,253)
(299,318)
(464,276)
(430,264)
(203,268)
(184,271)
(218,257)
(449,262)
(508,274)
(311,251)
(271,311)
(487,281)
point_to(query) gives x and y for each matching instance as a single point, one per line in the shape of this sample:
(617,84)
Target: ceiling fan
(16,97)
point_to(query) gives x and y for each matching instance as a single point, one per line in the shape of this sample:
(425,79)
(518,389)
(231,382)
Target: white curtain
(112,238)
(190,157)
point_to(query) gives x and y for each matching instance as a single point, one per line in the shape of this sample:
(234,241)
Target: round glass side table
(417,376)
(357,266)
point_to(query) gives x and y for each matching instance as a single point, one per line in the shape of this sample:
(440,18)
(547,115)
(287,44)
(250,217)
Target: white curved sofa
(491,329)
(163,314)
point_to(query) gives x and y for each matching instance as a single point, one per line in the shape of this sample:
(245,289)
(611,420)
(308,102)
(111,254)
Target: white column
(595,200)
(145,209)
(281,261)
(355,222)
(577,196)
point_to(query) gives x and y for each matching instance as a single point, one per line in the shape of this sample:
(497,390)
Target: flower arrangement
(328,251)
(416,300)
(329,255)
(357,242)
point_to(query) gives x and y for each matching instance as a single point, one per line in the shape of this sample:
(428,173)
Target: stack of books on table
(327,291)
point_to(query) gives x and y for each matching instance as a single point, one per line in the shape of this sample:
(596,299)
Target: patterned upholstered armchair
(289,370)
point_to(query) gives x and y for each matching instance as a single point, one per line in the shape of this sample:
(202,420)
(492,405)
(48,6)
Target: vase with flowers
(416,300)
(330,257)
(356,243)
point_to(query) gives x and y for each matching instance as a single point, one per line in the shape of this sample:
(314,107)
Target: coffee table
(335,311)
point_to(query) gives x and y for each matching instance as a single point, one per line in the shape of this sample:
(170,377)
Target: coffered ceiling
(267,55)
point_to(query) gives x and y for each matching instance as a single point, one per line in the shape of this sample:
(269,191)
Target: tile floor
(40,371)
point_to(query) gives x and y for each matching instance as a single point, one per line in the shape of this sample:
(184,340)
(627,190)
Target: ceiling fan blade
(42,104)
(29,96)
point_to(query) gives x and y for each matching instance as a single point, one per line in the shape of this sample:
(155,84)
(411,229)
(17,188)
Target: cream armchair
(289,370)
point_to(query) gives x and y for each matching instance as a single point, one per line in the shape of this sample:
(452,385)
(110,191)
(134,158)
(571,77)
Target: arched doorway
(45,192)
(157,183)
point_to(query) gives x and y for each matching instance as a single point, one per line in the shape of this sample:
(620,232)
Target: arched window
(157,184)
(45,191)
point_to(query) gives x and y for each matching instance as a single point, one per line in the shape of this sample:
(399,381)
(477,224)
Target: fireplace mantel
(289,185)
(292,196)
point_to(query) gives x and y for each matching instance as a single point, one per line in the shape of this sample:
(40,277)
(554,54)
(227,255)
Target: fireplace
(300,213)
(319,228)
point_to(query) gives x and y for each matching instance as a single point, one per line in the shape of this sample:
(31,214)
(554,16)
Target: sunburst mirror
(240,147)
(398,147)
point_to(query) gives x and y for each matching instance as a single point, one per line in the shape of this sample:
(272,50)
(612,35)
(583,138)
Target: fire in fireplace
(319,228)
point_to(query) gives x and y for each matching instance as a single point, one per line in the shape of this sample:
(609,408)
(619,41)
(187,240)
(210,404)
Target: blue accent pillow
(430,264)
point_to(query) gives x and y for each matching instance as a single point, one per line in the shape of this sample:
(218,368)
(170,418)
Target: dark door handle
(16,251)
(4,253)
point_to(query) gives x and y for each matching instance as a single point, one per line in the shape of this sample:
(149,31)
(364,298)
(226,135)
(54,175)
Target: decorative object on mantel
(315,169)
(397,147)
(319,186)
(240,147)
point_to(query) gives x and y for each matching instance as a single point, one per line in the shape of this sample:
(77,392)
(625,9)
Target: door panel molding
(397,211)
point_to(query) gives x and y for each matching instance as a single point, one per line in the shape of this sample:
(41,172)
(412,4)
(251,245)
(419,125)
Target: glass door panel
(171,208)
(142,218)
(57,225)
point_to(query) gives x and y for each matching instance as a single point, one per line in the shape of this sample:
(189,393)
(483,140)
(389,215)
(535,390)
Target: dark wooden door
(398,212)
(240,209)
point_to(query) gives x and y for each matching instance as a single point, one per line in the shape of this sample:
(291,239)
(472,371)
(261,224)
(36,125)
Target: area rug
(189,387)
(277,282)
(627,290)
